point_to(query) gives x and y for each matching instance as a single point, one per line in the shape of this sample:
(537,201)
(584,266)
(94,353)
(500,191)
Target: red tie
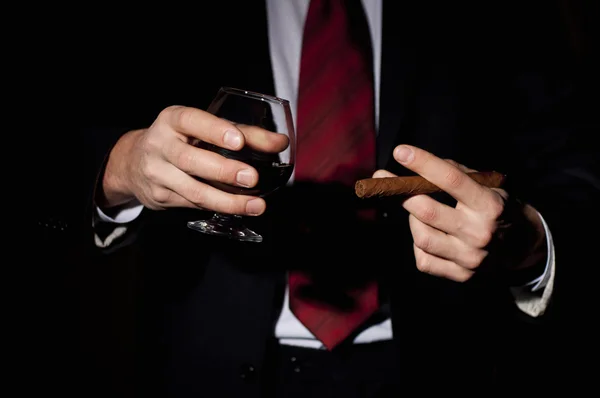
(335,141)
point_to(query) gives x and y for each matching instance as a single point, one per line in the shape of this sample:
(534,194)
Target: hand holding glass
(256,115)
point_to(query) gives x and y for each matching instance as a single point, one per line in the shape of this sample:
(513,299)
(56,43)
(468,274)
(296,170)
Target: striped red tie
(336,139)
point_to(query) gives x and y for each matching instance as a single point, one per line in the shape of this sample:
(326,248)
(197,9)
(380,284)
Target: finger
(204,126)
(444,175)
(436,266)
(165,198)
(264,140)
(155,194)
(383,174)
(210,198)
(461,167)
(435,214)
(210,165)
(445,246)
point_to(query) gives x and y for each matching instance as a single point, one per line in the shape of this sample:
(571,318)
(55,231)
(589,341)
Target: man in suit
(215,313)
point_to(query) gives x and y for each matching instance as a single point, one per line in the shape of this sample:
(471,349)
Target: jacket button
(248,373)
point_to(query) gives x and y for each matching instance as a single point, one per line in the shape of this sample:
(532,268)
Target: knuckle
(184,117)
(424,264)
(472,261)
(172,150)
(167,113)
(160,195)
(460,225)
(198,195)
(186,160)
(496,207)
(482,238)
(152,143)
(454,178)
(462,277)
(429,214)
(234,205)
(223,173)
(424,242)
(177,116)
(150,173)
(452,162)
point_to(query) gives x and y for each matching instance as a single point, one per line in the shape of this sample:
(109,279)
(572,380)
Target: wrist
(533,262)
(526,275)
(115,184)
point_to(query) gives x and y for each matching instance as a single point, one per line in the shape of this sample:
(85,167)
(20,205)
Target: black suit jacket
(489,93)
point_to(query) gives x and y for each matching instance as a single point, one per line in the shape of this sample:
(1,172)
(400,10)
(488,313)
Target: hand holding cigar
(416,185)
(452,241)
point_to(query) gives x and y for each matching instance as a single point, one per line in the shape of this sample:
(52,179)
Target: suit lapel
(398,71)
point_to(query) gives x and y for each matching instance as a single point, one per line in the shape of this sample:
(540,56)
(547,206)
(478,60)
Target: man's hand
(454,242)
(157,165)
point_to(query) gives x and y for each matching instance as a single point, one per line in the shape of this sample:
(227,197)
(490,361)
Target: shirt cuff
(123,214)
(528,298)
(541,281)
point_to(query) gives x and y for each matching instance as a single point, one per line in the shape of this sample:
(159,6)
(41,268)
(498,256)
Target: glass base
(229,226)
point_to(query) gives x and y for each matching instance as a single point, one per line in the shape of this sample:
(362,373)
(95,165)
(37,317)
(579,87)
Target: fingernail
(232,139)
(403,154)
(245,178)
(254,207)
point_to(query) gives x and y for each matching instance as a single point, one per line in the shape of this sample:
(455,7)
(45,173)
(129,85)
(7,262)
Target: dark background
(78,317)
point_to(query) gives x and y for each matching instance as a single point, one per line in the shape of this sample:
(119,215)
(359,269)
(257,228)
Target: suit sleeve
(98,144)
(563,184)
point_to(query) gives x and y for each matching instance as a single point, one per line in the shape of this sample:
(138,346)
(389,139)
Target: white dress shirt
(286,24)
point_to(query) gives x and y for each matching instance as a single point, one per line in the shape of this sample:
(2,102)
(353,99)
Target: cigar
(416,185)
